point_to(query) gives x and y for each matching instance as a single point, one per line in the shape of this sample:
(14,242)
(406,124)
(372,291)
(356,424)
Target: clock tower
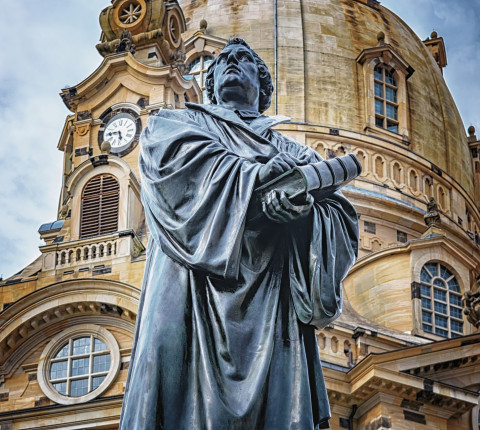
(142,72)
(71,314)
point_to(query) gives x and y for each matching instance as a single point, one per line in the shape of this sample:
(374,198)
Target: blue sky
(50,44)
(457,21)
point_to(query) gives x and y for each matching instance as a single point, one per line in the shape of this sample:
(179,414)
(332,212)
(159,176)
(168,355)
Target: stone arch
(441,253)
(442,198)
(397,173)
(334,344)
(413,178)
(427,187)
(376,244)
(363,157)
(379,167)
(319,146)
(129,190)
(44,311)
(321,340)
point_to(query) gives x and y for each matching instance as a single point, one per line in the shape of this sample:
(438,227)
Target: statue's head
(239,67)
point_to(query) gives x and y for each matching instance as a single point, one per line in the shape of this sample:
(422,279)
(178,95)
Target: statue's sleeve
(195,193)
(322,249)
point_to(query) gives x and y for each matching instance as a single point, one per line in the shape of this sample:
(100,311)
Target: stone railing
(90,251)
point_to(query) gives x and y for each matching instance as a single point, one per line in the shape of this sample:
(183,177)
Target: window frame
(102,196)
(57,343)
(70,357)
(201,72)
(384,117)
(385,56)
(434,300)
(402,236)
(369,227)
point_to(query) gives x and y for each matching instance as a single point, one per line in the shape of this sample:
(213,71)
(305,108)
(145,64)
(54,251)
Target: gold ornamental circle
(129,13)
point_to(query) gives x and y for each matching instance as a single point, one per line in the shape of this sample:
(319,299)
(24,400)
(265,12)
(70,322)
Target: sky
(50,44)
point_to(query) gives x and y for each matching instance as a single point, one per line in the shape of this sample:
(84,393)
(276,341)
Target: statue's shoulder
(167,113)
(200,110)
(285,143)
(165,116)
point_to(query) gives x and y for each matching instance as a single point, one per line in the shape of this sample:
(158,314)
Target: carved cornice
(389,56)
(49,308)
(200,42)
(143,73)
(387,385)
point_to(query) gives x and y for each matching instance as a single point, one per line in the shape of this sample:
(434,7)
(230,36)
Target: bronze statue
(225,336)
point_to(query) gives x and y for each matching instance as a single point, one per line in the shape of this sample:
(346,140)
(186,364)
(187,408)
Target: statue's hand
(281,163)
(278,208)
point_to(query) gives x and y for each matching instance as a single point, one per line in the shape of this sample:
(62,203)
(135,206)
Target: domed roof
(319,80)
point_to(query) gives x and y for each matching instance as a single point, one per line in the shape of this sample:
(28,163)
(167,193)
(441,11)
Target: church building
(353,78)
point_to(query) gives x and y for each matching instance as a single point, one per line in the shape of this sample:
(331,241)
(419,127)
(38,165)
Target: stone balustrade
(90,251)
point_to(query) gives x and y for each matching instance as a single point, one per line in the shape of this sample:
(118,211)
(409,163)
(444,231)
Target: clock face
(121,128)
(120,131)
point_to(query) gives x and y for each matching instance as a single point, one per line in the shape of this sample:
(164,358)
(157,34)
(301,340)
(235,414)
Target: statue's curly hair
(266,84)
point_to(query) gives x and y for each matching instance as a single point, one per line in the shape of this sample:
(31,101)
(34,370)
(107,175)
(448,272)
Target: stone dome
(320,80)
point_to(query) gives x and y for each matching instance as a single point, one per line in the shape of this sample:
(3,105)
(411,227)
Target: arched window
(198,70)
(99,213)
(441,301)
(386,101)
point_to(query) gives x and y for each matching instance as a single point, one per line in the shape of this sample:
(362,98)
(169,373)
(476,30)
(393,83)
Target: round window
(78,364)
(129,13)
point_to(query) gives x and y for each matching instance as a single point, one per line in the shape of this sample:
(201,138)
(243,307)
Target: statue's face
(236,76)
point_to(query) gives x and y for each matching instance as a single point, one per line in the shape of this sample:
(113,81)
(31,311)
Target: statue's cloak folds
(225,337)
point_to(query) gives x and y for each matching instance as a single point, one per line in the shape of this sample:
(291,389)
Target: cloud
(456,22)
(49,44)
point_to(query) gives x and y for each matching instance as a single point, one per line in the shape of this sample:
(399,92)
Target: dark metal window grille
(401,236)
(99,214)
(369,227)
(441,301)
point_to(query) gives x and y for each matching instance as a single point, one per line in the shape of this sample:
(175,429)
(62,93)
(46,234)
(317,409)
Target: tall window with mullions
(386,99)
(198,70)
(441,301)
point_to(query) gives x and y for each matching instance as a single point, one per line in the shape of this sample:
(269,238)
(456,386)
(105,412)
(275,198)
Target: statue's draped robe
(225,337)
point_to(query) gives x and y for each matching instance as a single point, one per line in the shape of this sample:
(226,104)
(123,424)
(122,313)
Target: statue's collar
(259,125)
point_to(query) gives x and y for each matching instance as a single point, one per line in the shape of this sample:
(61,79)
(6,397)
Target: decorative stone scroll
(471,305)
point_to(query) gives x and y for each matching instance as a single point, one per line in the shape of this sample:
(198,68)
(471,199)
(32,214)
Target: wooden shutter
(99,213)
